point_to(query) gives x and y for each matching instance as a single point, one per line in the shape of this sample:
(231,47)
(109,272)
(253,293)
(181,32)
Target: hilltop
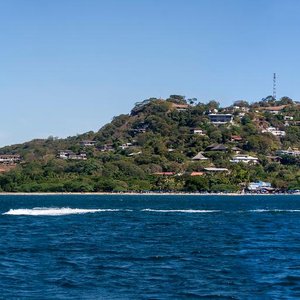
(175,144)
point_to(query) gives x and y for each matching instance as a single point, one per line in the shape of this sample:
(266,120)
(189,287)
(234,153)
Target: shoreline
(139,194)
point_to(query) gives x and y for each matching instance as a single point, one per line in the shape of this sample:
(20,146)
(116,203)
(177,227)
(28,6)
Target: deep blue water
(149,247)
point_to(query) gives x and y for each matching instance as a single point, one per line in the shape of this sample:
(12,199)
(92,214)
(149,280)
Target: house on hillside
(236,150)
(275,110)
(216,147)
(88,143)
(274,131)
(215,170)
(197,131)
(199,156)
(197,174)
(9,159)
(70,155)
(236,138)
(219,119)
(289,151)
(125,146)
(180,107)
(106,148)
(244,158)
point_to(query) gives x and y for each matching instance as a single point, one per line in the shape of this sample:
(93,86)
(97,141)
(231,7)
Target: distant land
(168,145)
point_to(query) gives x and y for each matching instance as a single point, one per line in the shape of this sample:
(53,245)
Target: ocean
(149,247)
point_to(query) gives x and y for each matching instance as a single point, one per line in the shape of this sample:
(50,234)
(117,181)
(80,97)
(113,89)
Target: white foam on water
(51,211)
(180,210)
(274,210)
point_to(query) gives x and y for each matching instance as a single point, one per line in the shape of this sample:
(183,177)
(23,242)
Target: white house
(274,131)
(87,143)
(198,131)
(244,158)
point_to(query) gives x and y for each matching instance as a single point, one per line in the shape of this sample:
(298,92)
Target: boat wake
(45,211)
(57,211)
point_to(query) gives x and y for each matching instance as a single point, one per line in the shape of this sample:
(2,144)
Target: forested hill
(175,144)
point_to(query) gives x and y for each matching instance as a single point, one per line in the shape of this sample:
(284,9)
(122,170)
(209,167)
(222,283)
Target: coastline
(140,194)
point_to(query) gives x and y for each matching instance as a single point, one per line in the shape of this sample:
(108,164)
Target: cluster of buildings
(274,131)
(70,155)
(10,159)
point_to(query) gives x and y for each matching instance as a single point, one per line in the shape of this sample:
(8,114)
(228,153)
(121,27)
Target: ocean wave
(50,211)
(274,210)
(180,210)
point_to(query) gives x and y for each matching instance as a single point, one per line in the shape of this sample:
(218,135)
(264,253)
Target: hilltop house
(180,107)
(275,110)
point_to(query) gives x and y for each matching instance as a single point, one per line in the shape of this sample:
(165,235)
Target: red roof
(236,137)
(197,173)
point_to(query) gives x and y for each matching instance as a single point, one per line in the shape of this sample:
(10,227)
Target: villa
(219,119)
(244,158)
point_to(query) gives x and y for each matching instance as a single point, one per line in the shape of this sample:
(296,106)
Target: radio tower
(274,86)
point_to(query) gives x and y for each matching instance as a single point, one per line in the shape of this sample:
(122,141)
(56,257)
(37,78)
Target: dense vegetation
(133,151)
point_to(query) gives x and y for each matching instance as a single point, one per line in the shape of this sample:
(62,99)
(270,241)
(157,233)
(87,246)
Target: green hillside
(166,145)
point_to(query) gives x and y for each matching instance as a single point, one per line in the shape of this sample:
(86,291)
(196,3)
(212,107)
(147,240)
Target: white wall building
(244,158)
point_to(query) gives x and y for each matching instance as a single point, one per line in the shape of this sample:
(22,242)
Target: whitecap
(180,210)
(274,210)
(54,211)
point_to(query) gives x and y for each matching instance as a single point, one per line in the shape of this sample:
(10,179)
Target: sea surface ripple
(149,247)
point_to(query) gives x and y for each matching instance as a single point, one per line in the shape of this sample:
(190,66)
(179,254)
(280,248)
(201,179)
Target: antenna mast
(274,86)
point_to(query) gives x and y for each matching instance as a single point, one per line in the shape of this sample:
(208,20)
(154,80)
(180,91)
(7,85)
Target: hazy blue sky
(69,66)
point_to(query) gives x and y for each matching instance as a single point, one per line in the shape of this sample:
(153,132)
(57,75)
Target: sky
(69,66)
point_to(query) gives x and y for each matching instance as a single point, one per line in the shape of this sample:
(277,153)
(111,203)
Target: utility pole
(274,86)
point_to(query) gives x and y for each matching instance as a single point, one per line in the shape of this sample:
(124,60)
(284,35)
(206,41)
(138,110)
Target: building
(164,173)
(216,147)
(219,119)
(213,170)
(275,110)
(107,148)
(9,159)
(199,156)
(125,146)
(274,131)
(197,131)
(236,138)
(70,155)
(88,143)
(197,173)
(259,186)
(180,107)
(289,151)
(244,158)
